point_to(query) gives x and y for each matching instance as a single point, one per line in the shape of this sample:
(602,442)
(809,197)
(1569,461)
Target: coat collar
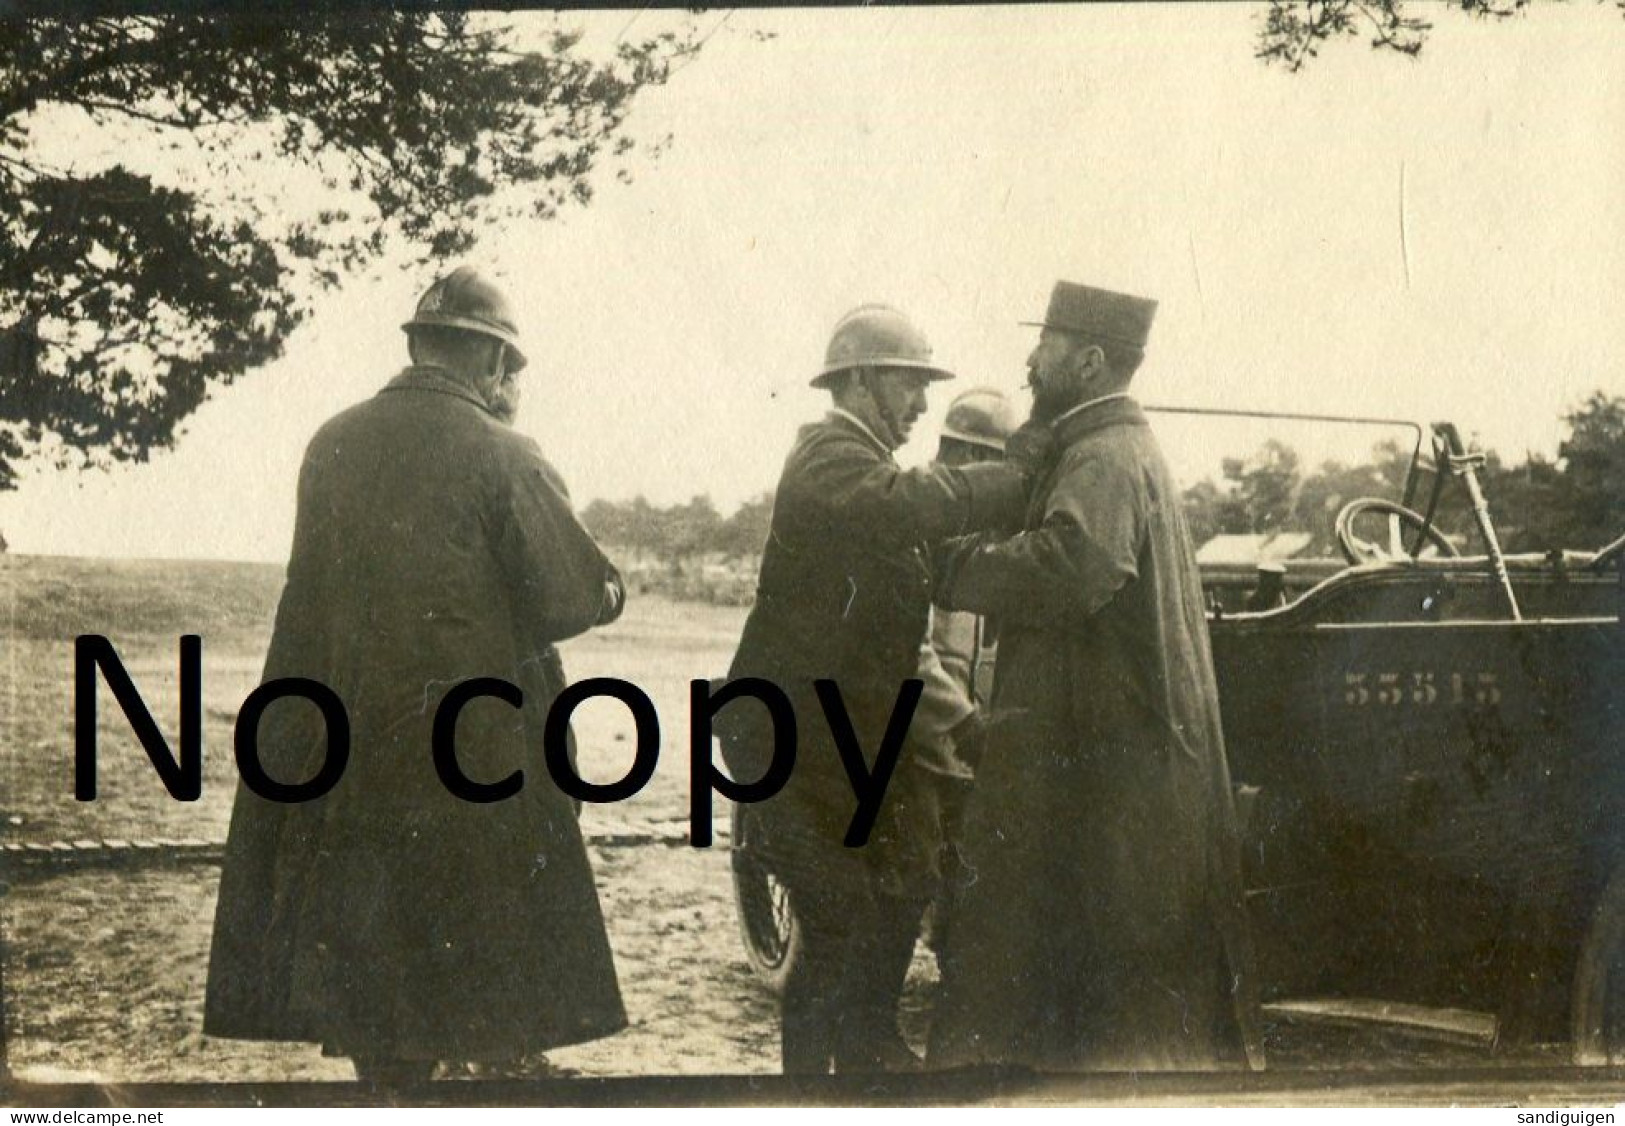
(852,421)
(426,377)
(1100,414)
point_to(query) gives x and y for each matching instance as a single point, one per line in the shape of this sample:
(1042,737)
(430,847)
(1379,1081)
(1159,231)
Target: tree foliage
(680,530)
(1591,499)
(155,239)
(1263,488)
(1268,492)
(1576,501)
(1293,31)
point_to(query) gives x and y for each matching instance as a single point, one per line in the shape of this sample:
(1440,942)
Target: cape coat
(1103,924)
(432,545)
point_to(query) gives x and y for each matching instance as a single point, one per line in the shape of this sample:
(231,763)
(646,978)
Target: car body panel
(1432,789)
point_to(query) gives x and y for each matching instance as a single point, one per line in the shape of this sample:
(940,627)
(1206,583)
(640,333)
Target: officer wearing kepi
(1105,928)
(392,920)
(844,594)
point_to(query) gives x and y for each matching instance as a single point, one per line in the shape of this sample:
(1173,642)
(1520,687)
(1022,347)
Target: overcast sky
(1430,238)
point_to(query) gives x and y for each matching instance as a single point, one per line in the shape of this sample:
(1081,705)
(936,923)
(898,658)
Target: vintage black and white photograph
(982,554)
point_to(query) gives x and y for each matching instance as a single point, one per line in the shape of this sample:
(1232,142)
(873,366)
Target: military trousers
(859,912)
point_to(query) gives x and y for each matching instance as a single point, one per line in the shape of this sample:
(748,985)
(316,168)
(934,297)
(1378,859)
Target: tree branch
(98,105)
(53,85)
(19,170)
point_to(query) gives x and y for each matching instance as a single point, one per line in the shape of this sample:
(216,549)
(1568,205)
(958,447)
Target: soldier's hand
(970,738)
(1031,448)
(614,598)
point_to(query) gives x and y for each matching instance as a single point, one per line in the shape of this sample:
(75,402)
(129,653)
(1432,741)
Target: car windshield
(1267,488)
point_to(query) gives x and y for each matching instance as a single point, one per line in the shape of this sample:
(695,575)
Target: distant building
(1252,549)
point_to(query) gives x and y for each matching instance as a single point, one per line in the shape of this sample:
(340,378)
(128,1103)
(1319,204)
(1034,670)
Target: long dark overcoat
(845,594)
(432,545)
(1103,925)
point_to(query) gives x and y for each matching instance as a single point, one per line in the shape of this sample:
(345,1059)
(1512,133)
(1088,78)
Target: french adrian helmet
(877,336)
(982,417)
(465,299)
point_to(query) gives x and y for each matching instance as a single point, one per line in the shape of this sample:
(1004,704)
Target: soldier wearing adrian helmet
(1105,927)
(844,594)
(956,669)
(974,431)
(391,920)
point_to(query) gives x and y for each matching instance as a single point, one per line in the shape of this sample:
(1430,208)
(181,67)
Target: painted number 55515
(1420,689)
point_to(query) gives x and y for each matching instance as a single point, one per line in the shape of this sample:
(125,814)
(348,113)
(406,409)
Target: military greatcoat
(1103,928)
(389,917)
(845,594)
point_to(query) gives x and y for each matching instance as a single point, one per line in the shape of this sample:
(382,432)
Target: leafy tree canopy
(175,189)
(1293,31)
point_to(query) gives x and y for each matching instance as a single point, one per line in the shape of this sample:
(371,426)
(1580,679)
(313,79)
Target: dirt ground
(105,976)
(104,967)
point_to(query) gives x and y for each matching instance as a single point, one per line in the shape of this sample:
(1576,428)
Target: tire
(768,926)
(1599,982)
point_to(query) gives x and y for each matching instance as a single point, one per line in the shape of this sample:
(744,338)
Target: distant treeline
(685,551)
(680,530)
(1576,500)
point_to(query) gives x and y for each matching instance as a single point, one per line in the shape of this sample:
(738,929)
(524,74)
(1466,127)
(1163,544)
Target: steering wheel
(1357,550)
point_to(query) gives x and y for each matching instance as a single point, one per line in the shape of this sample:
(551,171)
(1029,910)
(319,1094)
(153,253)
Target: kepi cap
(1099,314)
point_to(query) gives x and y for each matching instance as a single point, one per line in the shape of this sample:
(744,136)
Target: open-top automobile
(1427,737)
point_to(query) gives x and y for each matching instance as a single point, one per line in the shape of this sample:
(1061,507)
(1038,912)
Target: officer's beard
(495,387)
(1054,395)
(505,404)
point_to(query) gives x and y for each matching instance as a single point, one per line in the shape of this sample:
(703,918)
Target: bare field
(144,607)
(104,967)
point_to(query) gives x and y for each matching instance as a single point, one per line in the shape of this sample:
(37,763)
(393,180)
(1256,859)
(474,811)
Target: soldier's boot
(808,1031)
(881,1050)
(384,1071)
(880,969)
(813,1000)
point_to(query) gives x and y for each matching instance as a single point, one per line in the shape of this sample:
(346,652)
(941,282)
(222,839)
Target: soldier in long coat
(845,594)
(1104,927)
(390,920)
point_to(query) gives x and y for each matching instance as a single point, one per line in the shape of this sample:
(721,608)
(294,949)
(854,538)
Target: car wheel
(1599,982)
(767,924)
